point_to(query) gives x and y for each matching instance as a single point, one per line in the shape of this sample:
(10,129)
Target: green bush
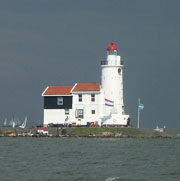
(64,132)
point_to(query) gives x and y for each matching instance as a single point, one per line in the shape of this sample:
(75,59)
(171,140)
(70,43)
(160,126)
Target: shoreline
(89,132)
(97,137)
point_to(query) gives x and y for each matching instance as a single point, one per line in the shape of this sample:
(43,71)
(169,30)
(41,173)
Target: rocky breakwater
(88,132)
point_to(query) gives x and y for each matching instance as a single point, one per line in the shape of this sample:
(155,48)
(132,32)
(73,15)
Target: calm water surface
(83,159)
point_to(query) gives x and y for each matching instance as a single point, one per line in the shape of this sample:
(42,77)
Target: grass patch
(98,131)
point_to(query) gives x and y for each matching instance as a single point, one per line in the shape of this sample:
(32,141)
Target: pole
(138,116)
(138,111)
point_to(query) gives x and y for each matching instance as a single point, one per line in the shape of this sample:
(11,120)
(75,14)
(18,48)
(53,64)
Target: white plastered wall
(87,105)
(55,116)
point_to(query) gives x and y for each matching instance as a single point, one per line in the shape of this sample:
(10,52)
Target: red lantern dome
(112,47)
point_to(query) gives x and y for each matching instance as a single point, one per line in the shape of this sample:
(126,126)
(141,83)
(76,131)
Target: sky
(61,42)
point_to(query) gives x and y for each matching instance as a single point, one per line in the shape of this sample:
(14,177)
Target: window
(66,111)
(112,52)
(80,97)
(119,71)
(79,113)
(60,101)
(93,111)
(92,97)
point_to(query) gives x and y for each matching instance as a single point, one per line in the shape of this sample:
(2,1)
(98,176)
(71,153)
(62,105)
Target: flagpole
(138,116)
(139,102)
(140,107)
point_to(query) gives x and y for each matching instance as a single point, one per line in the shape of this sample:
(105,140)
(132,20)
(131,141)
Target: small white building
(89,104)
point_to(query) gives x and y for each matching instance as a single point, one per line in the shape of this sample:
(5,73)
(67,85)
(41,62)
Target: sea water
(85,159)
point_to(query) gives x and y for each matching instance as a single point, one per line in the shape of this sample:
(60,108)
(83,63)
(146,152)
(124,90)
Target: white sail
(5,122)
(24,123)
(18,122)
(13,124)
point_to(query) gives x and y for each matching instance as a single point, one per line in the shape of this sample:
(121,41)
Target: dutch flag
(109,103)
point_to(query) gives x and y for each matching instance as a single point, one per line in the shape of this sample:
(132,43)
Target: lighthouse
(89,104)
(112,85)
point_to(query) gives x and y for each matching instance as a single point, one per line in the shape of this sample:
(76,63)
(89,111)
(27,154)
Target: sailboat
(160,129)
(16,122)
(5,123)
(24,123)
(11,123)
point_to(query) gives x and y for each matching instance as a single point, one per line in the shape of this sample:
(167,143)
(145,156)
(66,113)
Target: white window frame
(80,113)
(80,97)
(93,98)
(60,101)
(93,111)
(66,111)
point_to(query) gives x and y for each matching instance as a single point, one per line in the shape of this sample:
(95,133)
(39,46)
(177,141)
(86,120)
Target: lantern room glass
(112,52)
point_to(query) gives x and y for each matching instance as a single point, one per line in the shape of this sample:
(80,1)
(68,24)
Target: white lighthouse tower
(112,85)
